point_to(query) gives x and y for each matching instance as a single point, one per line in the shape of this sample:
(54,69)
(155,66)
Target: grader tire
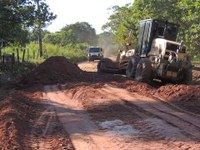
(143,71)
(131,67)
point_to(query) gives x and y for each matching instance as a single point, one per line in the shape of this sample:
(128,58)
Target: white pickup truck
(95,53)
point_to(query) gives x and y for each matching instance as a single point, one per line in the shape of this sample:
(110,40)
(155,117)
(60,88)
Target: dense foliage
(14,18)
(125,20)
(80,32)
(17,16)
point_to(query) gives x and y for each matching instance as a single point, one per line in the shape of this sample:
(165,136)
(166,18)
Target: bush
(75,53)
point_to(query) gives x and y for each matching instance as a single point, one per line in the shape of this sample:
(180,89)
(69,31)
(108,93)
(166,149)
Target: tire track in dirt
(174,129)
(84,133)
(111,108)
(164,121)
(39,130)
(47,133)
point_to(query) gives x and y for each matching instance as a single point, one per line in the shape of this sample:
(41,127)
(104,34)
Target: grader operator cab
(158,55)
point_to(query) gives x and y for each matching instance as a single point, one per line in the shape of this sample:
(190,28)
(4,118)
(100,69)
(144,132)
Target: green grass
(72,52)
(32,59)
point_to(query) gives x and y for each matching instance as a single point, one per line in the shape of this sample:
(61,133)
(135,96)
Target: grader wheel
(143,70)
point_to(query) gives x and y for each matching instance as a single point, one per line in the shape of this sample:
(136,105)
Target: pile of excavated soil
(185,96)
(56,69)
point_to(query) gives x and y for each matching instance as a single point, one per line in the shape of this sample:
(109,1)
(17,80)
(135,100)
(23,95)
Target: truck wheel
(143,71)
(131,68)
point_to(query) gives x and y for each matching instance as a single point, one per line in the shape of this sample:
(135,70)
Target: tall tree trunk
(39,31)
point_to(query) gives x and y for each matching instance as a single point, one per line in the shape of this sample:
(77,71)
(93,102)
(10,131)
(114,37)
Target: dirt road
(100,112)
(118,120)
(107,117)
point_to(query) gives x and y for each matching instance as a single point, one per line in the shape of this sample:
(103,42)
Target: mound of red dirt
(186,96)
(56,69)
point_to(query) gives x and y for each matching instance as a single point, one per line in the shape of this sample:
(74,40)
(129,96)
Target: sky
(94,12)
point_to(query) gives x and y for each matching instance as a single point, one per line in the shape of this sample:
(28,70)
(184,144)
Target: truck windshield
(94,50)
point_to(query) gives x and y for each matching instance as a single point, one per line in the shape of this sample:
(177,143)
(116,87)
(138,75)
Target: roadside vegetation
(26,58)
(124,22)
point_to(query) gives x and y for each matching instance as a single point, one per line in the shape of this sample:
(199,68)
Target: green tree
(80,32)
(15,17)
(122,25)
(53,38)
(183,12)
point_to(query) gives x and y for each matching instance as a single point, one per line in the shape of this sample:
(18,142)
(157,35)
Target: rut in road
(47,133)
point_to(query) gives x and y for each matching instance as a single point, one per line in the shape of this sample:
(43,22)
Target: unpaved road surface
(89,66)
(118,119)
(90,111)
(109,118)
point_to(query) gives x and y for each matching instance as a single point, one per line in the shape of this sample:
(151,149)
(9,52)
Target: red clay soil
(16,111)
(185,96)
(90,91)
(18,108)
(56,69)
(60,70)
(135,86)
